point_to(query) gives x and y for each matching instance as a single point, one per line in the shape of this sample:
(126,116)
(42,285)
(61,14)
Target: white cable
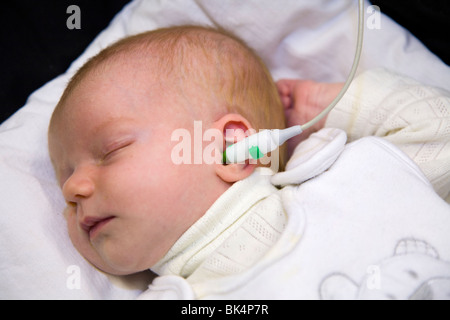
(359,46)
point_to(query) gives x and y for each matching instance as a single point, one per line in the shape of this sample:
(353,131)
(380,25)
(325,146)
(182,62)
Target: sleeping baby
(214,230)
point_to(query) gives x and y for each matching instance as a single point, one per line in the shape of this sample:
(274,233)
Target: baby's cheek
(68,211)
(74,232)
(117,178)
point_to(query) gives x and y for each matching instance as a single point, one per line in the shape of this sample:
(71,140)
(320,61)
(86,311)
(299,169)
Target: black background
(36,45)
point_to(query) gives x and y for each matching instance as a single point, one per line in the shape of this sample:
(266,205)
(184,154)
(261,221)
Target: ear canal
(234,131)
(235,128)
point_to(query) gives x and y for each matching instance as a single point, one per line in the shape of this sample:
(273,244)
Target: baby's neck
(238,229)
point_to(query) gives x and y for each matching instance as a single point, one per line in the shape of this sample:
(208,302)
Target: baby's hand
(302,101)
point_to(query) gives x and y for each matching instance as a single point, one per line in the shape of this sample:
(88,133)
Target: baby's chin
(115,261)
(118,266)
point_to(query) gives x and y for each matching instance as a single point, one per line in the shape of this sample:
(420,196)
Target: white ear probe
(257,145)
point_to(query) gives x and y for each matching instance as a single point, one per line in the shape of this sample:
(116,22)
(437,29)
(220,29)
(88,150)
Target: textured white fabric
(262,228)
(414,117)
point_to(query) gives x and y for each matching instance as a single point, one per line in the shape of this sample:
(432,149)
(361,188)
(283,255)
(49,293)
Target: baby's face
(111,148)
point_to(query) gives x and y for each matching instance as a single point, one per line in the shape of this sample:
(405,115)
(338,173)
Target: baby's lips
(89,222)
(92,226)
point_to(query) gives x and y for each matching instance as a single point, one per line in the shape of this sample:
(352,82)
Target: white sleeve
(414,117)
(312,157)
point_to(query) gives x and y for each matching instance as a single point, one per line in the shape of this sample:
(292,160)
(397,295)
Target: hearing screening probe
(257,145)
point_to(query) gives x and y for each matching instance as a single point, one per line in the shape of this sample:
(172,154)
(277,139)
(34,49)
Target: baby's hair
(230,73)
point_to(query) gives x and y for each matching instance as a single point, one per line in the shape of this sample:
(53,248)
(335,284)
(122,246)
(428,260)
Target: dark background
(36,45)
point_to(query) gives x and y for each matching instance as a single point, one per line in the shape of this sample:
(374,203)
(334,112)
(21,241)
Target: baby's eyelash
(114,148)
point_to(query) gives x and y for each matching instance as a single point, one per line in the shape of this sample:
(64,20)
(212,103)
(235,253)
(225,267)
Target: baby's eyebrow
(114,121)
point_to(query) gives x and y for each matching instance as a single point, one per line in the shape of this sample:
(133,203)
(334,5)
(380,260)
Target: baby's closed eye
(114,148)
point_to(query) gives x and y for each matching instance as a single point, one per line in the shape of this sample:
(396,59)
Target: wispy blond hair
(225,67)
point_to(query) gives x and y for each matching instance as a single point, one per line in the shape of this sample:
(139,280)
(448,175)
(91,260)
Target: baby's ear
(234,128)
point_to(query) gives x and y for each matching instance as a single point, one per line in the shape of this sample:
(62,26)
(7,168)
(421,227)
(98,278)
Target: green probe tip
(255,153)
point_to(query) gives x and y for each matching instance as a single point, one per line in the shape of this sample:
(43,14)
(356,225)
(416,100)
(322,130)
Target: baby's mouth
(92,226)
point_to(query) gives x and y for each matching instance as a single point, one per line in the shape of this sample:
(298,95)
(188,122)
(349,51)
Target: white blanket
(296,38)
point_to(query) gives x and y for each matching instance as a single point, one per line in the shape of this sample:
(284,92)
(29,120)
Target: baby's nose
(78,186)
